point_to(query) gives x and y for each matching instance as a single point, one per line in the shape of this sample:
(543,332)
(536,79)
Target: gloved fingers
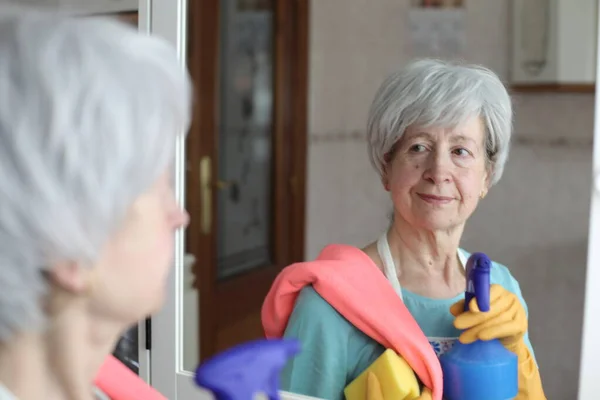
(515,328)
(500,319)
(497,291)
(425,394)
(457,308)
(497,303)
(509,323)
(502,331)
(475,317)
(374,391)
(468,336)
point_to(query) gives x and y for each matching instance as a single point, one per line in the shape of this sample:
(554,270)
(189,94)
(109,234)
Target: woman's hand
(506,320)
(374,391)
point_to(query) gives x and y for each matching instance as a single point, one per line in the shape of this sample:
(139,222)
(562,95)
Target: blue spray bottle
(246,370)
(482,370)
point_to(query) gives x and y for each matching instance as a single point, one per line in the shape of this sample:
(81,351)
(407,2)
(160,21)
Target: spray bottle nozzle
(248,369)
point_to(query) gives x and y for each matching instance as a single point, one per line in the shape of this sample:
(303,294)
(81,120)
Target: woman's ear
(486,185)
(71,277)
(386,171)
(385,182)
(487,177)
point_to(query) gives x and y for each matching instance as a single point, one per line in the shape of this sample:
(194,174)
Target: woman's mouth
(436,200)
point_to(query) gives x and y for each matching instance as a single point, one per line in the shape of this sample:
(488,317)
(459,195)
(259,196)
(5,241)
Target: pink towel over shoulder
(121,383)
(352,284)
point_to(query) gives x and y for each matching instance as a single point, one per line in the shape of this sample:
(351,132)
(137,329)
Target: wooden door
(246,158)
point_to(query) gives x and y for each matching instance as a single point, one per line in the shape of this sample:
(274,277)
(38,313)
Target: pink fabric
(121,383)
(352,284)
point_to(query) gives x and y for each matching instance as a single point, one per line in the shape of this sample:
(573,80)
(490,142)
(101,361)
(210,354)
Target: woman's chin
(159,301)
(152,305)
(436,224)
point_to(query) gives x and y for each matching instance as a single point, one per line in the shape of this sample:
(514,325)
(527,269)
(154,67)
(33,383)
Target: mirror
(535,221)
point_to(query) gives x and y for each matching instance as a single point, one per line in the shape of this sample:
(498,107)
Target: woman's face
(436,176)
(129,280)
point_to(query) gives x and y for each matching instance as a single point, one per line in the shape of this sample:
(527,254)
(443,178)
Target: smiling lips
(433,199)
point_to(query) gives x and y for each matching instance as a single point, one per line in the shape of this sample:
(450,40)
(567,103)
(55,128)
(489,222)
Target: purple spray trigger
(478,281)
(245,370)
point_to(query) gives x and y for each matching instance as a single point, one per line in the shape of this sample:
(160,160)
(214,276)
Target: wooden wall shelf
(131,17)
(554,88)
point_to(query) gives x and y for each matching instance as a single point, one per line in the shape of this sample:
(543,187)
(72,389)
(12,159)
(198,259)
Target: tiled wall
(534,220)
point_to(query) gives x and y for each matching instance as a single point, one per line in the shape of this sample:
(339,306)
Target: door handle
(206,195)
(225,184)
(232,187)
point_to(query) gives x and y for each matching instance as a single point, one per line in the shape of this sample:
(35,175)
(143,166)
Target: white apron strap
(389,266)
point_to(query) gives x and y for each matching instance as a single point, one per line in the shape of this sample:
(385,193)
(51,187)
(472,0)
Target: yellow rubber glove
(506,321)
(374,391)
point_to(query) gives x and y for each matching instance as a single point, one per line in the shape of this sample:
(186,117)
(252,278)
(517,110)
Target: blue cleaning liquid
(482,370)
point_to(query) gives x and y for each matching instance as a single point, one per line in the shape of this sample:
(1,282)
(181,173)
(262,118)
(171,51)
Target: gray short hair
(89,114)
(440,93)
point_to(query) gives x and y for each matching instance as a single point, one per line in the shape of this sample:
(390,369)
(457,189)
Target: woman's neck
(424,252)
(59,363)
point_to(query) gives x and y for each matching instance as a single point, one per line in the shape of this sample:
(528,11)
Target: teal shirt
(334,352)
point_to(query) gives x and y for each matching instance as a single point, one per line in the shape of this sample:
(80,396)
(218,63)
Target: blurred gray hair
(89,115)
(437,93)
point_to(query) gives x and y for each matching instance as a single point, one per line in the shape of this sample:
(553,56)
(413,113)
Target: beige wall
(534,221)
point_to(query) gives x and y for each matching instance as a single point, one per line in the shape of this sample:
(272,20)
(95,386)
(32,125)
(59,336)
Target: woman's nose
(438,168)
(181,218)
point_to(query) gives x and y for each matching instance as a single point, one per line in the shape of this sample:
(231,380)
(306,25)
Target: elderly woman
(438,135)
(89,115)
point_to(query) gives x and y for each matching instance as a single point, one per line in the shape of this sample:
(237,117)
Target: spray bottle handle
(478,281)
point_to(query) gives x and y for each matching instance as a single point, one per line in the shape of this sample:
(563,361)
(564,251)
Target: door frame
(168,19)
(589,373)
(141,18)
(291,89)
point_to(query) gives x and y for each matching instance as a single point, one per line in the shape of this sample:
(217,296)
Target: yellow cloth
(506,321)
(374,391)
(395,379)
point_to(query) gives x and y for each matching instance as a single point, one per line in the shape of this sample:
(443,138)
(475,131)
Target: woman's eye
(461,152)
(417,148)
